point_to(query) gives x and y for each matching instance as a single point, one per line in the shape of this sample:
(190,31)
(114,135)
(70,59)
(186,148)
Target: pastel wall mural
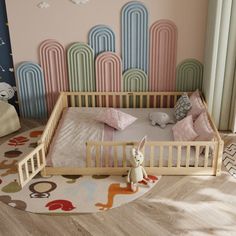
(53,62)
(189,75)
(163,52)
(135,80)
(134,36)
(108,72)
(81,68)
(31,90)
(102,50)
(7,78)
(101,39)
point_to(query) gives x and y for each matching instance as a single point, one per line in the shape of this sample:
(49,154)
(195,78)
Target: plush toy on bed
(137,173)
(160,118)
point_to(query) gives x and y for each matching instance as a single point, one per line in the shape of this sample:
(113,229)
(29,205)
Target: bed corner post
(64,99)
(219,158)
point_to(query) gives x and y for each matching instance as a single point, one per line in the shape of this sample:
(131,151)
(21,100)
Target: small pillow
(203,128)
(115,118)
(197,105)
(183,130)
(182,106)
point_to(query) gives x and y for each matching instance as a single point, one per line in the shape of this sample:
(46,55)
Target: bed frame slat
(98,163)
(197,156)
(124,161)
(161,157)
(170,156)
(151,156)
(115,157)
(179,156)
(207,150)
(188,155)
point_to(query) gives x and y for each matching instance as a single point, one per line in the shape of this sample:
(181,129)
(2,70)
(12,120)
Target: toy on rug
(9,120)
(6,91)
(137,173)
(160,118)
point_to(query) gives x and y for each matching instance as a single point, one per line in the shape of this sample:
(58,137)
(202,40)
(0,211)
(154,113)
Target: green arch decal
(189,75)
(135,80)
(81,68)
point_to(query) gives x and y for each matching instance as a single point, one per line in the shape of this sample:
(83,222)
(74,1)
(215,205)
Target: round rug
(59,194)
(229,158)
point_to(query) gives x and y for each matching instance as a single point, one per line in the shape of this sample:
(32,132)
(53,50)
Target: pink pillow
(183,130)
(115,118)
(203,128)
(197,105)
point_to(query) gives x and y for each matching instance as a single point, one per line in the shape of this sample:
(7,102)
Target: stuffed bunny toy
(137,173)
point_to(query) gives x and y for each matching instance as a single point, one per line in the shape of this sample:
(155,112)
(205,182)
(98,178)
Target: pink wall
(68,23)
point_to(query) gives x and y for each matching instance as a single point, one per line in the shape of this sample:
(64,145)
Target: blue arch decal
(31,90)
(135,36)
(102,39)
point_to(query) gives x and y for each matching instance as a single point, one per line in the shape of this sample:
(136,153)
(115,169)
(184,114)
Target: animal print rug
(59,194)
(229,158)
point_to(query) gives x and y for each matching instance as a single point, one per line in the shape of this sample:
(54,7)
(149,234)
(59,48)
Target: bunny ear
(142,142)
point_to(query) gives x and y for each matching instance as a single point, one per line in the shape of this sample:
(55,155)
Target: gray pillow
(182,106)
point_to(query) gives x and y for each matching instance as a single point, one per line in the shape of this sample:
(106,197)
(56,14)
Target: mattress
(78,125)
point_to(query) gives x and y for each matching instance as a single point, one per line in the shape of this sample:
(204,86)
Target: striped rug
(229,158)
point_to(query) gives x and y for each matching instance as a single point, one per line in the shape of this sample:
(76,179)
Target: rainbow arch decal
(189,75)
(108,72)
(102,39)
(53,62)
(135,80)
(134,36)
(81,68)
(31,91)
(163,52)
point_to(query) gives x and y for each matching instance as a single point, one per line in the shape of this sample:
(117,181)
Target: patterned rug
(229,158)
(59,194)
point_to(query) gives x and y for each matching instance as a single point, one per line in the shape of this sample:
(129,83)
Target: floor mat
(229,158)
(59,194)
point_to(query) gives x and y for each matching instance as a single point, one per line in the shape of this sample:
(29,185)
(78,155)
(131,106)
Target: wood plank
(150,213)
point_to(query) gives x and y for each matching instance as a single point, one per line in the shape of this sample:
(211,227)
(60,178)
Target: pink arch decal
(108,72)
(53,62)
(163,51)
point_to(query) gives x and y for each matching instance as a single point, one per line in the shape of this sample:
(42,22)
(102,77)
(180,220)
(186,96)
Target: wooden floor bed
(35,162)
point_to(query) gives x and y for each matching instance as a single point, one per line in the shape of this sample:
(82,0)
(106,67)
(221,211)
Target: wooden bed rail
(32,164)
(123,99)
(103,157)
(53,121)
(105,154)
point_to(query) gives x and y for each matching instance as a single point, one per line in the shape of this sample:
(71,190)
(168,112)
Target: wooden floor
(175,206)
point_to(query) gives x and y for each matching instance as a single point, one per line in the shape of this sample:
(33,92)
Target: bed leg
(44,173)
(219,159)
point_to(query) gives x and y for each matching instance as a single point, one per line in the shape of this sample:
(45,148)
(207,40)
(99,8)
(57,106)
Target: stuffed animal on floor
(160,118)
(137,173)
(9,120)
(6,91)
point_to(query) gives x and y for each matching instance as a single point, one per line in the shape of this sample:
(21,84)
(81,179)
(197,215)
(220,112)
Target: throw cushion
(197,105)
(183,130)
(203,128)
(182,106)
(115,118)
